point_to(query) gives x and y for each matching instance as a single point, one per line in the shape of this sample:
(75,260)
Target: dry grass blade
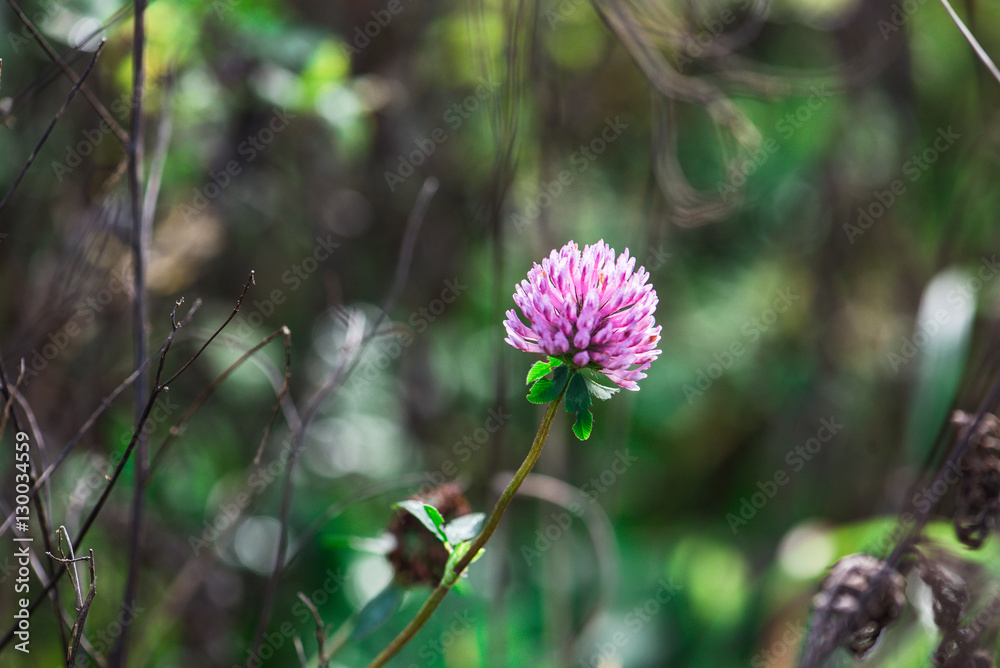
(83,606)
(973,42)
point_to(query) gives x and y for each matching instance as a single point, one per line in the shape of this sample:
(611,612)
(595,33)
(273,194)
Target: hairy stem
(451,577)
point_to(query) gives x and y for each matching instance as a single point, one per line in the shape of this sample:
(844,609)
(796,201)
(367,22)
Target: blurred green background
(810,184)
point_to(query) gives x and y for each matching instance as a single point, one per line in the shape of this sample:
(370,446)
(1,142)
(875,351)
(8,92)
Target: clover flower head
(589,309)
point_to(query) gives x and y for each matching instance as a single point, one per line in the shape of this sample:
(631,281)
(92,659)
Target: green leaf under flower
(545,390)
(584,425)
(578,404)
(597,390)
(539,369)
(577,395)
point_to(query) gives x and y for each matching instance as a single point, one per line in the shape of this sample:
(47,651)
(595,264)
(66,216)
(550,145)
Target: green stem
(450,578)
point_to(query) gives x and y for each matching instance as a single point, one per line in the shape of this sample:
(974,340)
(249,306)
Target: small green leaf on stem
(578,404)
(427,514)
(456,555)
(464,528)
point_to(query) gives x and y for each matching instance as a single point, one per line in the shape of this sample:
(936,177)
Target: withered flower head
(419,557)
(978,506)
(860,597)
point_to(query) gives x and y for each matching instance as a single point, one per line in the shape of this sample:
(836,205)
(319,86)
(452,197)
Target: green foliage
(377,611)
(546,390)
(427,514)
(578,404)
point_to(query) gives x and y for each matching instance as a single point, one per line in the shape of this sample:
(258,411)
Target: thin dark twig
(10,395)
(121,464)
(141,232)
(83,608)
(75,577)
(82,617)
(334,381)
(300,651)
(320,630)
(236,309)
(69,56)
(52,124)
(282,393)
(71,75)
(159,387)
(80,433)
(177,428)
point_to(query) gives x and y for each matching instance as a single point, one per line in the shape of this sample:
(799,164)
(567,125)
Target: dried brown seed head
(859,598)
(419,557)
(978,505)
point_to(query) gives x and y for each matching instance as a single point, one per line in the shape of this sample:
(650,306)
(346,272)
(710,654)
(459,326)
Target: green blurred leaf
(938,347)
(377,611)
